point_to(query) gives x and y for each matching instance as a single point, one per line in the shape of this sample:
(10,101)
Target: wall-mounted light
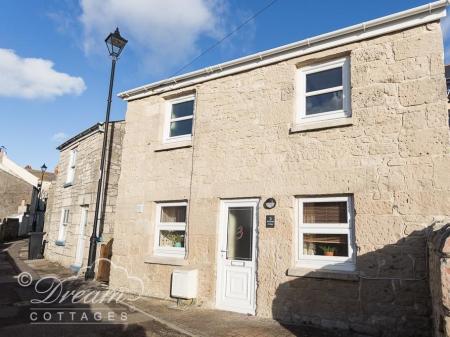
(270,203)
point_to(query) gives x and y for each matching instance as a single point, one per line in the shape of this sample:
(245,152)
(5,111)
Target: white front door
(80,244)
(236,263)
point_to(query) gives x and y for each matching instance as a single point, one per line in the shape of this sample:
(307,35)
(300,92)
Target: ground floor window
(63,225)
(170,234)
(325,233)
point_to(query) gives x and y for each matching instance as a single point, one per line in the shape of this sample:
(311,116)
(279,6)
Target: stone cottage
(297,183)
(71,205)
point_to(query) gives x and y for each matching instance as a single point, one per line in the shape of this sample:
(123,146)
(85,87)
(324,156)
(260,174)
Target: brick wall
(12,191)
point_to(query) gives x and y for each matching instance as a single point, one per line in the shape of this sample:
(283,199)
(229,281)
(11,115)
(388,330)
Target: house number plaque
(270,221)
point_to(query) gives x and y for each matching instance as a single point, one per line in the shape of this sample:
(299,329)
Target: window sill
(67,185)
(165,260)
(60,243)
(323,274)
(174,145)
(319,125)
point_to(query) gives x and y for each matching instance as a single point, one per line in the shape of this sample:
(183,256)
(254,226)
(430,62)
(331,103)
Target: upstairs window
(71,167)
(170,234)
(323,91)
(179,119)
(325,233)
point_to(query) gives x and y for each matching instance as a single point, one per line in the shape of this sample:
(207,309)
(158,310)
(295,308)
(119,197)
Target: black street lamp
(36,207)
(35,241)
(115,44)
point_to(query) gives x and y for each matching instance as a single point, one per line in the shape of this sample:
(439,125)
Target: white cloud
(445,26)
(59,137)
(165,33)
(34,78)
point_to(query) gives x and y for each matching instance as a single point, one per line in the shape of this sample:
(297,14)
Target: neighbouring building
(71,205)
(19,194)
(298,182)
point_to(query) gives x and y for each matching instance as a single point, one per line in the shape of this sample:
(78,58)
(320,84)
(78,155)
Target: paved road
(19,317)
(152,318)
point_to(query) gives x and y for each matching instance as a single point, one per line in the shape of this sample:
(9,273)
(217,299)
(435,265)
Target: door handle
(224,251)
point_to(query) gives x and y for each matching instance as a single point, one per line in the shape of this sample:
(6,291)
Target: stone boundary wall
(12,191)
(439,269)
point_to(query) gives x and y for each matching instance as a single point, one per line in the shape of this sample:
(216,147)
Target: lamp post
(35,243)
(115,44)
(36,207)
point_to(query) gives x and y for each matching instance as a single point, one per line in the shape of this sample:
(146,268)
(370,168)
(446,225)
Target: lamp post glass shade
(115,43)
(43,168)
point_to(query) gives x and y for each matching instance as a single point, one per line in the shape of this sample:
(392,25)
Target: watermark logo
(71,300)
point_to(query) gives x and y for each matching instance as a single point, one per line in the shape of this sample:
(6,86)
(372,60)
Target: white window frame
(168,119)
(301,117)
(172,226)
(63,223)
(71,166)
(319,261)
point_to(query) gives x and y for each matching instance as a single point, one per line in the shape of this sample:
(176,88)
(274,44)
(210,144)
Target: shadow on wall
(389,296)
(439,266)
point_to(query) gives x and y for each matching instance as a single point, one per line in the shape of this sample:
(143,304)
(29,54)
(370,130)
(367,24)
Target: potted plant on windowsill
(176,239)
(328,250)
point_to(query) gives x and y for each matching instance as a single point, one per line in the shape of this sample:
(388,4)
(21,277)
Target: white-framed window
(323,91)
(325,233)
(179,119)
(170,233)
(71,166)
(64,222)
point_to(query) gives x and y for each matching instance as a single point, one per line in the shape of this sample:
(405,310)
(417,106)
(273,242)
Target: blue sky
(54,68)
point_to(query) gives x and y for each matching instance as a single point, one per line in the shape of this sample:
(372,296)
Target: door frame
(83,224)
(222,234)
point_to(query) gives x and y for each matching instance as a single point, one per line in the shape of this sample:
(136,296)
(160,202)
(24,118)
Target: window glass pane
(325,212)
(325,244)
(173,214)
(324,79)
(183,109)
(171,238)
(180,128)
(330,101)
(240,233)
(66,216)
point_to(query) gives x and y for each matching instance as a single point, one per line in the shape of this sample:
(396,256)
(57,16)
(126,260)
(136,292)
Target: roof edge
(394,22)
(80,135)
(85,133)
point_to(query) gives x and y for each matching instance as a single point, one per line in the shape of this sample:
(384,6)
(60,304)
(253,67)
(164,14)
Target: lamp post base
(89,275)
(35,245)
(90,271)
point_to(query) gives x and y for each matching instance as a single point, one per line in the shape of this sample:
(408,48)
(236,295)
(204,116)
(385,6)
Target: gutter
(85,133)
(402,20)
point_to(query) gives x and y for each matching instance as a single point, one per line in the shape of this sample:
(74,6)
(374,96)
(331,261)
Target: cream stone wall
(82,193)
(394,160)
